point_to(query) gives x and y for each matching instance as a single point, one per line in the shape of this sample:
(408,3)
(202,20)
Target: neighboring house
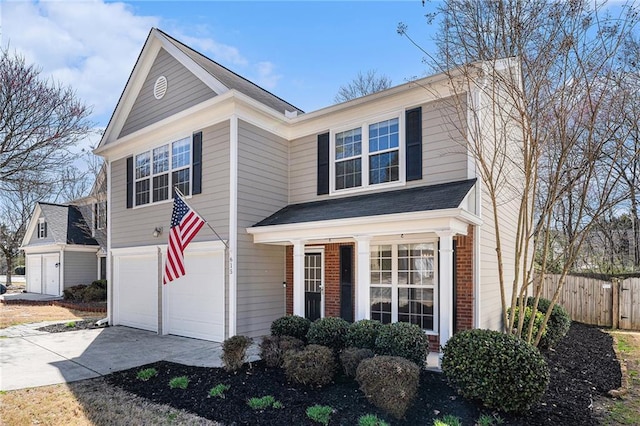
(65,245)
(366,209)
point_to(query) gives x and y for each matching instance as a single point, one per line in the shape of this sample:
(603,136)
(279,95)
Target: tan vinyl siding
(184,90)
(262,190)
(444,157)
(134,227)
(80,267)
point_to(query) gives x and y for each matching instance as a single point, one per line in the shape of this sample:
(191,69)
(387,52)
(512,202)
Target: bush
(291,325)
(94,294)
(273,348)
(100,284)
(350,358)
(313,366)
(363,334)
(74,293)
(528,312)
(234,350)
(19,270)
(320,414)
(502,371)
(405,340)
(558,324)
(390,383)
(328,331)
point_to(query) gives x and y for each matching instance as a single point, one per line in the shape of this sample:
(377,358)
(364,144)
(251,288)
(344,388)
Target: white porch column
(298,277)
(363,268)
(446,286)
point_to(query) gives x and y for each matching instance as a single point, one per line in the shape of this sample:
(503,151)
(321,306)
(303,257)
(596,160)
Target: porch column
(446,286)
(363,248)
(298,277)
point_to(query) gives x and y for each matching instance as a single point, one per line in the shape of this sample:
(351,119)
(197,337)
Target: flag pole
(181,195)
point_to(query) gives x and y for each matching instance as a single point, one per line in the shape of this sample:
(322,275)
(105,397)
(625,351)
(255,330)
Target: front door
(51,269)
(313,283)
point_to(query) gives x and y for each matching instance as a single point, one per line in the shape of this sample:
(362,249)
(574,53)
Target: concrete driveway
(29,358)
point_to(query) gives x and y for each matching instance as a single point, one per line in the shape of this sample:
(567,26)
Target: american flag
(185,224)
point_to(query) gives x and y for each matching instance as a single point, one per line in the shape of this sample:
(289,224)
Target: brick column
(464,280)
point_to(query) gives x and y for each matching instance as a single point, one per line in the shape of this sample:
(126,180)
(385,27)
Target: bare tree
(540,74)
(362,85)
(39,122)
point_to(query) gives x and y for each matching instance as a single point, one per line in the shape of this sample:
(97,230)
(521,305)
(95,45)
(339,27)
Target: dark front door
(346,283)
(312,285)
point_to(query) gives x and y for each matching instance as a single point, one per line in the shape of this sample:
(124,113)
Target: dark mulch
(71,326)
(583,367)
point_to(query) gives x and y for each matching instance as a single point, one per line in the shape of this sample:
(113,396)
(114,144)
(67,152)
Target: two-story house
(366,209)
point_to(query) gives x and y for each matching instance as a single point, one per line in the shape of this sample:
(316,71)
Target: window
(158,170)
(403,284)
(42,228)
(100,215)
(367,155)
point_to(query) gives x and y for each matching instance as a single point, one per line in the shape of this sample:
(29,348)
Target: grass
(180,382)
(626,410)
(264,402)
(448,420)
(23,314)
(146,374)
(218,390)
(70,324)
(320,414)
(371,420)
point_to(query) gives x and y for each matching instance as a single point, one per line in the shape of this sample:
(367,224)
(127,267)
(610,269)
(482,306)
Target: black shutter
(197,163)
(413,126)
(95,216)
(129,182)
(323,164)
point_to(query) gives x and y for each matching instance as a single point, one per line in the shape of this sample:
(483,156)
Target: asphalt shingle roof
(423,198)
(67,225)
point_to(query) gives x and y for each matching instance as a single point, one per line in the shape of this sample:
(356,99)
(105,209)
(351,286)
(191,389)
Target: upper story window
(42,228)
(161,168)
(368,155)
(100,215)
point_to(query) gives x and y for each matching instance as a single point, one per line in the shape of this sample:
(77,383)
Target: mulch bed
(71,326)
(583,367)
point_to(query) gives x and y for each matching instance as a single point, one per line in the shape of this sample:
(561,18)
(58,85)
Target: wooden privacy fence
(614,303)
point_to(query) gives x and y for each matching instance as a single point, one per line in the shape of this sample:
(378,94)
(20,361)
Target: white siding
(80,267)
(262,190)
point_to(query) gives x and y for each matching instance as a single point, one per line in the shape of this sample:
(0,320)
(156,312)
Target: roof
(67,225)
(423,198)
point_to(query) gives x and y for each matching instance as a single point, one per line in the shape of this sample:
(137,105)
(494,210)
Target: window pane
(143,165)
(312,272)
(161,159)
(181,153)
(383,167)
(415,264)
(349,143)
(381,304)
(180,179)
(348,173)
(142,192)
(415,306)
(383,135)
(161,187)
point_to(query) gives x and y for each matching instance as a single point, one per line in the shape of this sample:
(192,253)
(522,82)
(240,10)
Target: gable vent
(160,87)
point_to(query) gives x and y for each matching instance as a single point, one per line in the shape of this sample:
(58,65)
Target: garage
(191,306)
(43,273)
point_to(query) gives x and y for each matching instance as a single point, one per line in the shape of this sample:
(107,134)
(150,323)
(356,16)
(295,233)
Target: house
(371,208)
(65,245)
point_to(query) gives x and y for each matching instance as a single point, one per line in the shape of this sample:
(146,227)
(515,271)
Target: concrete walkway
(30,358)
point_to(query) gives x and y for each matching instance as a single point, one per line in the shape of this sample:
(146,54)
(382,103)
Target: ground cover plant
(583,368)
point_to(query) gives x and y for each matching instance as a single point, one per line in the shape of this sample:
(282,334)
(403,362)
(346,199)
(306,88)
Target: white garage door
(34,273)
(135,289)
(195,302)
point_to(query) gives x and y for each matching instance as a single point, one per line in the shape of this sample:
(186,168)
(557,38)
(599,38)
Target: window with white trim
(100,215)
(368,155)
(403,284)
(42,228)
(162,168)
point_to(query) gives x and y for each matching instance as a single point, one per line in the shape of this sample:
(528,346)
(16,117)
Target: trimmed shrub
(502,371)
(351,358)
(558,324)
(234,350)
(363,334)
(100,284)
(291,325)
(328,331)
(528,312)
(273,348)
(389,382)
(313,366)
(74,293)
(94,294)
(405,340)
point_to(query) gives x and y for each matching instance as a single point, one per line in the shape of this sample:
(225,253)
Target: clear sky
(302,51)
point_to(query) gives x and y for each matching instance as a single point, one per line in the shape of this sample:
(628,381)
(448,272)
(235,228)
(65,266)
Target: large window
(367,155)
(162,168)
(403,284)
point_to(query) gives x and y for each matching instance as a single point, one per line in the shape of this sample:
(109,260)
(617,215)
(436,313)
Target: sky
(302,51)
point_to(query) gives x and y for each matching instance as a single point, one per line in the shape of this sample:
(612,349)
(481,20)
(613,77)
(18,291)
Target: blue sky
(301,51)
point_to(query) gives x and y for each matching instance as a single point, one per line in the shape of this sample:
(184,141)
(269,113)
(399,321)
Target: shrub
(234,350)
(350,358)
(180,382)
(390,383)
(363,334)
(19,270)
(291,325)
(273,348)
(528,312)
(74,293)
(94,294)
(502,371)
(100,284)
(405,340)
(146,374)
(448,420)
(328,331)
(320,414)
(266,401)
(371,420)
(219,390)
(558,324)
(313,366)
